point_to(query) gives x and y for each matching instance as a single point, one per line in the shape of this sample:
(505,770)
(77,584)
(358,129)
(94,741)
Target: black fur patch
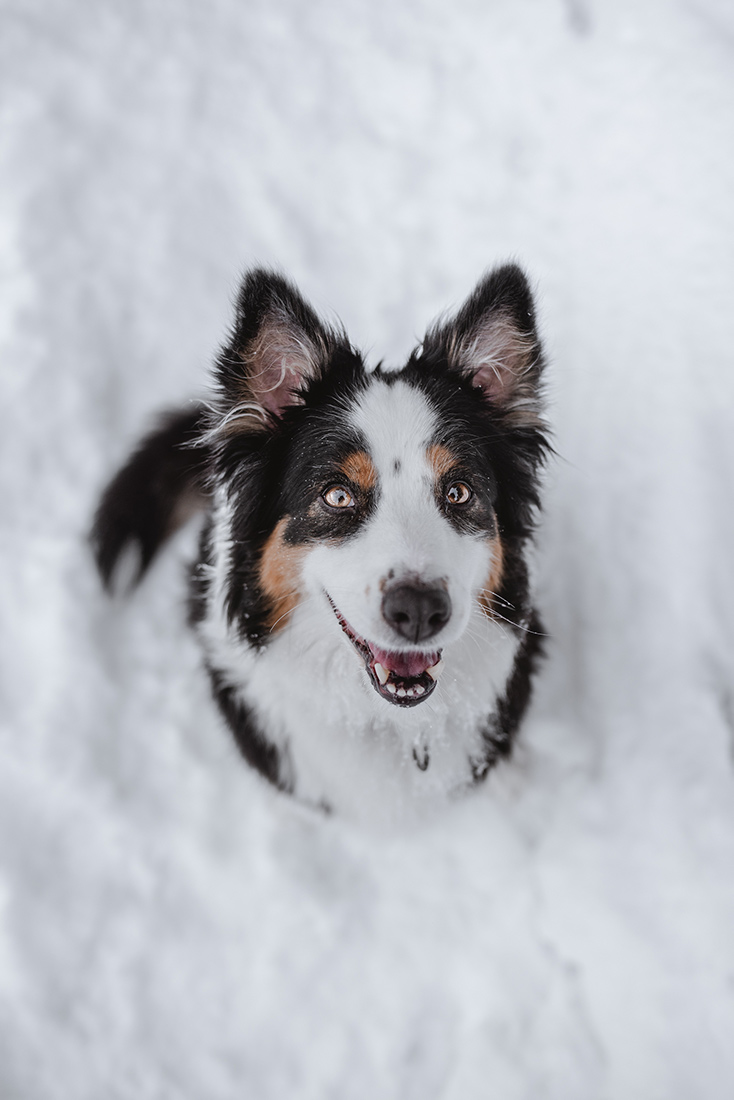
(199,576)
(160,486)
(259,753)
(499,734)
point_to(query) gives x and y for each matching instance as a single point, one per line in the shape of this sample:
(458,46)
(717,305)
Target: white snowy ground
(170,928)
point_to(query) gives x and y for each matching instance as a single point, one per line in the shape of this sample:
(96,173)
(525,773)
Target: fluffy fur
(361,594)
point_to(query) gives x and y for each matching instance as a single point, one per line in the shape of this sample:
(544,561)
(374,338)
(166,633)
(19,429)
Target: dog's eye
(458,493)
(338,497)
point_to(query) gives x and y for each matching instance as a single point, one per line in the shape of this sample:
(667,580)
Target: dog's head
(401,500)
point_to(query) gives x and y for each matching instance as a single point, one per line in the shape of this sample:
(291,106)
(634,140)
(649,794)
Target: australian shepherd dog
(362,590)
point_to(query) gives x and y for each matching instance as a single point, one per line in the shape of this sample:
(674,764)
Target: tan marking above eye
(339,497)
(458,493)
(359,468)
(442,459)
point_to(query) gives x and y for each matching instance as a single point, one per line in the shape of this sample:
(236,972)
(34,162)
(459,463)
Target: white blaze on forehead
(407,534)
(398,424)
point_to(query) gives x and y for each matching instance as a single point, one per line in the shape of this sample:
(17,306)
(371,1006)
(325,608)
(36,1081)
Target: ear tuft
(278,346)
(279,361)
(493,341)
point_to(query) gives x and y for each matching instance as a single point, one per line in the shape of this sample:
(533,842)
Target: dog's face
(399,500)
(412,539)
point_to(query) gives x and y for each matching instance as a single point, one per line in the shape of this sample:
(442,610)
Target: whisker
(496,596)
(283,616)
(522,625)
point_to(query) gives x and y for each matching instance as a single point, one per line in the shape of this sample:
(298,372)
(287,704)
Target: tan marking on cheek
(280,576)
(441,459)
(359,468)
(493,582)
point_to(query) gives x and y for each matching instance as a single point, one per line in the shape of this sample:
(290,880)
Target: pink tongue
(405,664)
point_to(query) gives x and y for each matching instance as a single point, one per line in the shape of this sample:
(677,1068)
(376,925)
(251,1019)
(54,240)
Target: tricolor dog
(362,592)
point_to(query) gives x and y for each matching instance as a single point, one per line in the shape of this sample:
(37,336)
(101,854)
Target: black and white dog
(362,592)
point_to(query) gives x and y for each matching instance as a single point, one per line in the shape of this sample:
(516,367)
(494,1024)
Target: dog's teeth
(382,674)
(436,670)
(419,689)
(402,692)
(392,688)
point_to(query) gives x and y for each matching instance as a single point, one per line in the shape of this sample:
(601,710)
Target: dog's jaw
(403,678)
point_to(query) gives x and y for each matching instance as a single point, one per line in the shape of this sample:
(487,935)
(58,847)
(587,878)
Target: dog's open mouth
(402,678)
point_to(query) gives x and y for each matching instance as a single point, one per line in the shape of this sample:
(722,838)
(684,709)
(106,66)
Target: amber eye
(338,497)
(458,493)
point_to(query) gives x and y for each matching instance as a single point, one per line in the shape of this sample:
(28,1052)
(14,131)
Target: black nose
(415,611)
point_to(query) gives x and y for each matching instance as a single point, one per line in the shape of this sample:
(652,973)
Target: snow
(169,927)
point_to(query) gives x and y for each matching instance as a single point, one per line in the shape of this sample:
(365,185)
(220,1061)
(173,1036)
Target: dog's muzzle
(404,678)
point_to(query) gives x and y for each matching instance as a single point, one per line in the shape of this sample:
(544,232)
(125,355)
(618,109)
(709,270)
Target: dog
(362,592)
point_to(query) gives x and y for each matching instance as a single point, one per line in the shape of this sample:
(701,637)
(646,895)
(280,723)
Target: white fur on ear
(492,341)
(503,363)
(276,365)
(280,361)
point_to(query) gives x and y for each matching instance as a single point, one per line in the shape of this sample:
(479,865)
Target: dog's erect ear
(278,345)
(493,340)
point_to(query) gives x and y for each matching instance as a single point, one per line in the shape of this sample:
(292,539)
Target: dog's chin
(402,677)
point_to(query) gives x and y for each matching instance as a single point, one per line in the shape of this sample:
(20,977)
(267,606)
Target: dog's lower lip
(402,690)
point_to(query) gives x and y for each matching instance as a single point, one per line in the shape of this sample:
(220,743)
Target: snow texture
(171,928)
